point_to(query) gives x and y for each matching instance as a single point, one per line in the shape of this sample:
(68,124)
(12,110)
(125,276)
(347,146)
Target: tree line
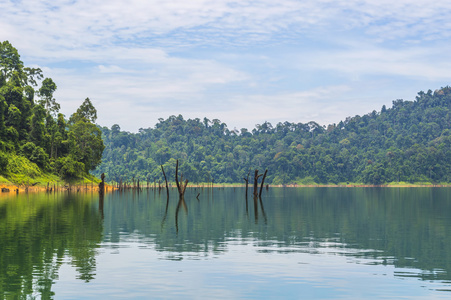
(32,127)
(409,142)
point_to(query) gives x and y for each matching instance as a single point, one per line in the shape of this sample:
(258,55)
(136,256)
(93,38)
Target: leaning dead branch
(167,187)
(181,186)
(256,176)
(247,182)
(262,184)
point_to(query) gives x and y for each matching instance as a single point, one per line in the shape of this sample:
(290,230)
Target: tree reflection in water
(406,228)
(40,231)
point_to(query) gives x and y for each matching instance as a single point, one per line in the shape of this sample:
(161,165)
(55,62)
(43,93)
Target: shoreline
(11,188)
(234,185)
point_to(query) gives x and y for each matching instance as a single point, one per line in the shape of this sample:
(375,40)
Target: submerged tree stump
(165,178)
(257,193)
(256,176)
(181,186)
(247,182)
(263,182)
(102,185)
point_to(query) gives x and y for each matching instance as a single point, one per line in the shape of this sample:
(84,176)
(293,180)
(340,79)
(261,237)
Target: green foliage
(85,143)
(3,162)
(9,60)
(35,154)
(86,111)
(46,92)
(409,142)
(67,167)
(37,131)
(21,165)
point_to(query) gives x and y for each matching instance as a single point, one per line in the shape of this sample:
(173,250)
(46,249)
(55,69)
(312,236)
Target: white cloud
(301,60)
(415,62)
(74,24)
(170,86)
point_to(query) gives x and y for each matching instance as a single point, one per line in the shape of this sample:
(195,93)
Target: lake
(309,243)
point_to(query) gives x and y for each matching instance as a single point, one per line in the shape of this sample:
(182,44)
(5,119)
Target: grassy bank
(23,175)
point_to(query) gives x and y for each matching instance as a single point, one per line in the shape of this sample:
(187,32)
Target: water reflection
(408,229)
(179,204)
(37,232)
(403,227)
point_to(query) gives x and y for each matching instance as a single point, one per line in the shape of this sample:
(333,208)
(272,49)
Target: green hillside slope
(409,142)
(37,143)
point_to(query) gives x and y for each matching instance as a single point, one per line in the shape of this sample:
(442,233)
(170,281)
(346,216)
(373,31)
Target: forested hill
(409,142)
(37,143)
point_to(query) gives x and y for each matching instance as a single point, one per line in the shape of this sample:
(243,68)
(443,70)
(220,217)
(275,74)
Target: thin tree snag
(256,176)
(255,182)
(101,194)
(167,187)
(177,175)
(180,185)
(184,187)
(247,182)
(263,182)
(101,185)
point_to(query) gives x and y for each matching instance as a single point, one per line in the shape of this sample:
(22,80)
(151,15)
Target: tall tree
(86,144)
(37,134)
(86,111)
(10,64)
(46,93)
(84,137)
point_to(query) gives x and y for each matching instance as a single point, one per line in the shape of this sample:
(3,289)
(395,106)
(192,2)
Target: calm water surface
(294,243)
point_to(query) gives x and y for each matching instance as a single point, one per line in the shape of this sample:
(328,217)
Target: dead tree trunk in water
(256,176)
(180,185)
(247,182)
(102,185)
(167,187)
(101,194)
(263,182)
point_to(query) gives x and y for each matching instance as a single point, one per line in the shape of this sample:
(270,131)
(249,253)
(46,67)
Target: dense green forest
(409,142)
(37,143)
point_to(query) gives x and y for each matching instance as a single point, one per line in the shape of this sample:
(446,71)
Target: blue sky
(243,62)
